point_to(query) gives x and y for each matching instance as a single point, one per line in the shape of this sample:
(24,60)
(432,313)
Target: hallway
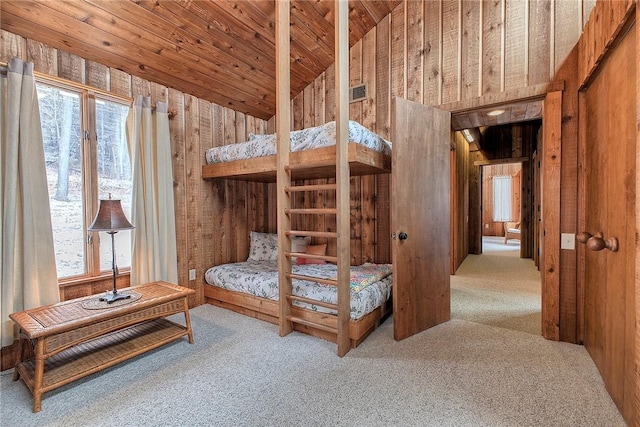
(498,288)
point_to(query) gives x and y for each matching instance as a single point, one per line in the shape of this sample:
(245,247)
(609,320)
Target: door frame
(549,176)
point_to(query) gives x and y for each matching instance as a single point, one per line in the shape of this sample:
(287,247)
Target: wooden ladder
(287,319)
(285,187)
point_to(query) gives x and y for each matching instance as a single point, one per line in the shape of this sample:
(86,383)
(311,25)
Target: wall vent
(358,93)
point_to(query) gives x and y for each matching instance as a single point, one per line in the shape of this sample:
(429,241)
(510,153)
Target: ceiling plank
(221,51)
(92,50)
(117,26)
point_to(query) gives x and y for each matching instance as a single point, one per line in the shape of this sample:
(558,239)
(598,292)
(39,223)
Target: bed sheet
(260,278)
(314,137)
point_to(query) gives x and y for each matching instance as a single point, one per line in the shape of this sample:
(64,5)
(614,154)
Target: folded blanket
(363,275)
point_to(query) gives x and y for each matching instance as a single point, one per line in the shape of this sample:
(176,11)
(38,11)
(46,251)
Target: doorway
(486,285)
(501,211)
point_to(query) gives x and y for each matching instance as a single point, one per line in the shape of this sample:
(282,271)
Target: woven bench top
(67,315)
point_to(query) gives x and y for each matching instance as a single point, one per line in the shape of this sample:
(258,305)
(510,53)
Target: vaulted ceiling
(222,51)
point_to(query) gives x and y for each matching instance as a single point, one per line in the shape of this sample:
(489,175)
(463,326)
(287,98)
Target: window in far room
(502,198)
(87,159)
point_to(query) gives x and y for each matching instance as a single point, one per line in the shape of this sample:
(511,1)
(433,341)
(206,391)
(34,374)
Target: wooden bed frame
(267,310)
(315,163)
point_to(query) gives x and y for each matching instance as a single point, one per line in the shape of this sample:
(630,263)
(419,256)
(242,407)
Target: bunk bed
(251,287)
(286,164)
(313,155)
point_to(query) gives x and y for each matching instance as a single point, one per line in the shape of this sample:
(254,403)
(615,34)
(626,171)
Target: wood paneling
(540,54)
(470,48)
(516,45)
(451,41)
(605,22)
(474,228)
(460,200)
(637,263)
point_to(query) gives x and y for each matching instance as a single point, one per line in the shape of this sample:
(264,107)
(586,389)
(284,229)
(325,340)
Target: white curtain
(27,256)
(502,198)
(154,254)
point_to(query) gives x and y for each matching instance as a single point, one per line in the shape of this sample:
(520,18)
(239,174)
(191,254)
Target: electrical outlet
(568,241)
(192,274)
(486,226)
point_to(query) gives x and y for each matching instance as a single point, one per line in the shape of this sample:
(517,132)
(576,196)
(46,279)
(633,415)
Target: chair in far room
(511,231)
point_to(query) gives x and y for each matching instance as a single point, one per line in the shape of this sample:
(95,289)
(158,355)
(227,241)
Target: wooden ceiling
(222,51)
(522,111)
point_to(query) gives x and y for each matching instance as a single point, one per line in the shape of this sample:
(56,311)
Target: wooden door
(420,217)
(609,145)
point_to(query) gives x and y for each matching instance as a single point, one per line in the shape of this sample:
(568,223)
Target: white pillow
(299,244)
(263,247)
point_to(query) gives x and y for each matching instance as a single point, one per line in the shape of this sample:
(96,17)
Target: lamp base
(114,296)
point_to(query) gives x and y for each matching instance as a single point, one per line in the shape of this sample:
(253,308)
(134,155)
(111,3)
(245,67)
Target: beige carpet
(485,367)
(498,288)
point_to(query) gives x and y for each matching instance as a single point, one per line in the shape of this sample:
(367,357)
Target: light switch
(192,274)
(568,241)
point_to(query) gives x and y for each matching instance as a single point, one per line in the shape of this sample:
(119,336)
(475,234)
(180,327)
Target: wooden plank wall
(637,224)
(460,200)
(637,262)
(600,31)
(213,219)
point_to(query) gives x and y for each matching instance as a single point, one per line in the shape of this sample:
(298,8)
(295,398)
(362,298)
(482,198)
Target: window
(502,198)
(86,157)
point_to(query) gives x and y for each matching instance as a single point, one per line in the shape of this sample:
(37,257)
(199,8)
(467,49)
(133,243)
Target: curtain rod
(172,113)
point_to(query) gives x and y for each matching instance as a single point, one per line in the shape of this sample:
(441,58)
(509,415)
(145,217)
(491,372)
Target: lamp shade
(110,217)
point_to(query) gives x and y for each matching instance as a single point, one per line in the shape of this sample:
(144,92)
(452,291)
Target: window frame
(89,148)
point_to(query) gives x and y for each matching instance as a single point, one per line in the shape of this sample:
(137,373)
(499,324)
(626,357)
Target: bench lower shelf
(100,353)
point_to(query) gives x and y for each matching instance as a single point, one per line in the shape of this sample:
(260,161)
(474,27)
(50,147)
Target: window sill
(65,283)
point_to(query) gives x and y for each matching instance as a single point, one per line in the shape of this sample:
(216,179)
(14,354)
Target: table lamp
(111,218)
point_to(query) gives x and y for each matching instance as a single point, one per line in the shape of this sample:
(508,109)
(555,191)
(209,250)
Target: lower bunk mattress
(370,283)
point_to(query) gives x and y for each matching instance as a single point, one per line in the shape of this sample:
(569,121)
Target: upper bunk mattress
(315,137)
(370,283)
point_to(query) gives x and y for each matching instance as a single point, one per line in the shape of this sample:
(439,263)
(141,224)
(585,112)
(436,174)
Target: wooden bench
(79,337)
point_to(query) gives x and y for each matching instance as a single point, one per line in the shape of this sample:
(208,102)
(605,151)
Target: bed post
(283,176)
(342,173)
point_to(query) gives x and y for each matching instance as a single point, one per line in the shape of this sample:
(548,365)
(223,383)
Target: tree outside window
(87,159)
